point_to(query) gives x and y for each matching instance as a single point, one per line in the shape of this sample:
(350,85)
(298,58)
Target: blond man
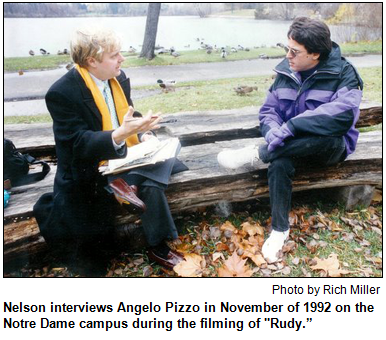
(94,120)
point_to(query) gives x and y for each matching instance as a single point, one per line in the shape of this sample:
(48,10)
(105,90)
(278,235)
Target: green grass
(207,95)
(218,95)
(362,47)
(187,57)
(35,63)
(43,118)
(372,79)
(201,56)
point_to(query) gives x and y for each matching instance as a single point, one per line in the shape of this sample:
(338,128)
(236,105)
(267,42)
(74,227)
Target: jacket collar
(333,64)
(87,95)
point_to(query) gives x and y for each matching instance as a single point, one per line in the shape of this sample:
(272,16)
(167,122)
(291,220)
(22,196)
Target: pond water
(183,33)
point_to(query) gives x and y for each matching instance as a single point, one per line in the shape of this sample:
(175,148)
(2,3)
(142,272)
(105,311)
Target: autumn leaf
(222,247)
(258,259)
(192,266)
(253,229)
(234,267)
(217,255)
(330,266)
(228,226)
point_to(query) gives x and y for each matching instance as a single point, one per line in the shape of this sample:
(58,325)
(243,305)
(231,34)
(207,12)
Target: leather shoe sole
(126,195)
(172,259)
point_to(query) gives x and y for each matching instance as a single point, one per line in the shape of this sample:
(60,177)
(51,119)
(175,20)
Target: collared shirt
(101,85)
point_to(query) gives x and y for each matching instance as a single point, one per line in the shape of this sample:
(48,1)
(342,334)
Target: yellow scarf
(120,101)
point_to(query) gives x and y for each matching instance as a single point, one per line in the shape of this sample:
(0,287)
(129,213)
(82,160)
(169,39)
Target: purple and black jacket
(324,104)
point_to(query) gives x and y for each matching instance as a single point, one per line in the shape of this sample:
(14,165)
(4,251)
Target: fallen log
(206,183)
(192,128)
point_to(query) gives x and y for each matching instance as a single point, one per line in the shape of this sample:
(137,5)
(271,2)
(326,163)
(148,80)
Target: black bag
(16,166)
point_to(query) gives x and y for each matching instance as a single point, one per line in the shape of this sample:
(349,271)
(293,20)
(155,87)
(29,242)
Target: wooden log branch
(192,128)
(206,183)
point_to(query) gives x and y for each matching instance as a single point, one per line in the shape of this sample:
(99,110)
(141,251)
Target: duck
(167,82)
(175,54)
(243,90)
(132,49)
(263,56)
(223,52)
(32,53)
(233,50)
(209,51)
(166,86)
(21,72)
(240,48)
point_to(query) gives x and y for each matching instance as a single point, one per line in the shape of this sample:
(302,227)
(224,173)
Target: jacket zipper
(291,76)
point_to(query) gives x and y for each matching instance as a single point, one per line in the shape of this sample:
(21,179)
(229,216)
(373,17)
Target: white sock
(274,244)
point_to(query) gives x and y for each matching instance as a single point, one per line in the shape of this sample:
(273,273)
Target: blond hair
(92,42)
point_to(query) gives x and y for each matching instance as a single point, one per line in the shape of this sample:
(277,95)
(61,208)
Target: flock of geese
(169,86)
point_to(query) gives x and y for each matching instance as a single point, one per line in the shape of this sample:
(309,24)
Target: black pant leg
(157,220)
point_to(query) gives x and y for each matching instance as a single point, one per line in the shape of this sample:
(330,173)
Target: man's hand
(277,136)
(131,125)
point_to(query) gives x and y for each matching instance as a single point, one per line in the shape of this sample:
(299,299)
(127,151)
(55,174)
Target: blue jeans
(315,150)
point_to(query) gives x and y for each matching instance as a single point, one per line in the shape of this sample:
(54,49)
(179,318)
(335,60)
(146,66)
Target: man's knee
(281,166)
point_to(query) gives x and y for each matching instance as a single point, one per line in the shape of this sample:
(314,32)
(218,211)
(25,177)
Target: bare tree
(203,9)
(287,10)
(151,30)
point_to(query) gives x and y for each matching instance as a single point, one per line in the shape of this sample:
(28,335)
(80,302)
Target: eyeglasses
(293,53)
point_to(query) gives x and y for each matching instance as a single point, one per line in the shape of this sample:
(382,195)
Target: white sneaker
(233,159)
(274,244)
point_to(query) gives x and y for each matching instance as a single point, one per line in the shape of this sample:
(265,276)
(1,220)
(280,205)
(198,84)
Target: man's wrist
(118,136)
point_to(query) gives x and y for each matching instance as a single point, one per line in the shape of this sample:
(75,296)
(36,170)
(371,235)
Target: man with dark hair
(309,116)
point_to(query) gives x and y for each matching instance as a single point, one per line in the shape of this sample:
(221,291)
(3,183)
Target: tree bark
(151,31)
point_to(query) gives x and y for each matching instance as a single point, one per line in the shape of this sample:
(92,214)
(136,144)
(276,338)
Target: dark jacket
(324,104)
(79,204)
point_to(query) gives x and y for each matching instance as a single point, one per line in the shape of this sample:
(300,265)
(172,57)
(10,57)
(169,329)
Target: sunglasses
(293,53)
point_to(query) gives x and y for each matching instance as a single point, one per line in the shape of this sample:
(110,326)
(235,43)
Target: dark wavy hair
(313,34)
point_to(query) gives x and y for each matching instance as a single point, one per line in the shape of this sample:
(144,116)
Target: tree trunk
(151,31)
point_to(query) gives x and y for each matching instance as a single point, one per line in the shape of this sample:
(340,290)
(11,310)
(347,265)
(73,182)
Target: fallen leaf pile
(321,244)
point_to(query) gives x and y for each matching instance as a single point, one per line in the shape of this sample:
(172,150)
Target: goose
(43,51)
(32,53)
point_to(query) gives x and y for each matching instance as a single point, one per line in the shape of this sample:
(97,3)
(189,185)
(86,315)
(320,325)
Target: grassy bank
(187,57)
(217,95)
